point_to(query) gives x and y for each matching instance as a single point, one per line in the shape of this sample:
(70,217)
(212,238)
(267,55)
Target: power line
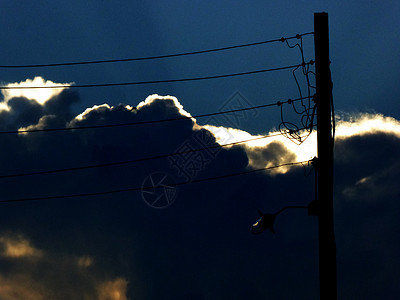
(152,81)
(307,111)
(278,103)
(134,160)
(149,187)
(154,57)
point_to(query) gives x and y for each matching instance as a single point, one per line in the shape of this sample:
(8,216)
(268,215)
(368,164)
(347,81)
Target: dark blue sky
(365,60)
(114,246)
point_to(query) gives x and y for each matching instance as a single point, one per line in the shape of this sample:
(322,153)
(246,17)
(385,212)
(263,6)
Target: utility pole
(327,244)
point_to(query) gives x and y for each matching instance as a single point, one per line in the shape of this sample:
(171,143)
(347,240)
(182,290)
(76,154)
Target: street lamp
(266,221)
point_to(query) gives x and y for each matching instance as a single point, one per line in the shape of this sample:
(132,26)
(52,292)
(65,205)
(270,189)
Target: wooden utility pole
(327,244)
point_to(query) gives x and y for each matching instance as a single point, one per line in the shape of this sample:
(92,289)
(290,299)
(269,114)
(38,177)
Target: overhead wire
(278,103)
(295,67)
(149,187)
(152,57)
(307,112)
(117,163)
(151,81)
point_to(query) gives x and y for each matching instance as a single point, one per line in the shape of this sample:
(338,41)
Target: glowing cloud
(85,261)
(87,111)
(62,276)
(39,95)
(150,99)
(361,124)
(266,152)
(171,107)
(113,290)
(257,152)
(19,288)
(17,247)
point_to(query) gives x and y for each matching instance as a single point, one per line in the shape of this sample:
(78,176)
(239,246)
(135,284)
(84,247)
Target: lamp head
(266,221)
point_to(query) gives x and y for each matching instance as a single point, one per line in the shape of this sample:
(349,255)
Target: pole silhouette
(323,98)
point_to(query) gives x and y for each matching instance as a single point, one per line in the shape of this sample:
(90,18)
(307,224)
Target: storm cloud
(116,246)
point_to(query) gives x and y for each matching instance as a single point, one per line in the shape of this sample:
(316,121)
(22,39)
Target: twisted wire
(306,109)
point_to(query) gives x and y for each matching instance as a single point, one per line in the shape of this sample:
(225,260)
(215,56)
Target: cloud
(259,151)
(268,152)
(25,108)
(85,261)
(366,123)
(51,275)
(19,287)
(169,103)
(115,246)
(18,247)
(41,96)
(113,290)
(95,108)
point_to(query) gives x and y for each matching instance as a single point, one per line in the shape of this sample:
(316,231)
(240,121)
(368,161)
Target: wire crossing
(150,187)
(154,57)
(278,103)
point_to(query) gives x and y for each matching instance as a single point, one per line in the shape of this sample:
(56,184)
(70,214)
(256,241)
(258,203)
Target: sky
(116,238)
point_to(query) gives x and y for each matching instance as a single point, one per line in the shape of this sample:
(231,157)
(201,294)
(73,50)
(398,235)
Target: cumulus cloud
(39,95)
(114,246)
(171,104)
(267,152)
(25,108)
(278,149)
(366,123)
(95,108)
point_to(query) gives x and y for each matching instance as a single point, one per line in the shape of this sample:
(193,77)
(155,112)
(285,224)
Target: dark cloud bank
(200,247)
